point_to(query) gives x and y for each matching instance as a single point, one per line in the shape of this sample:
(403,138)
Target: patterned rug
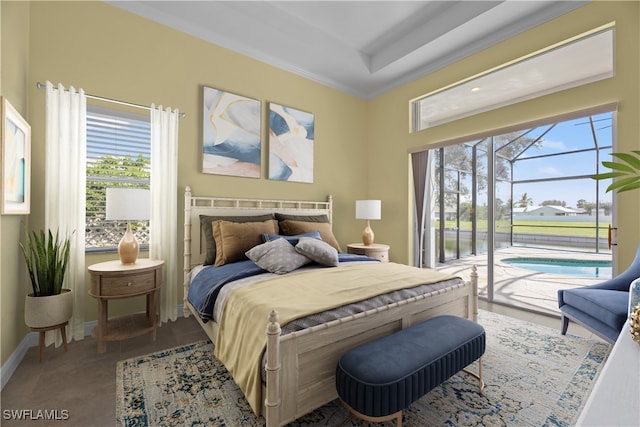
(534,377)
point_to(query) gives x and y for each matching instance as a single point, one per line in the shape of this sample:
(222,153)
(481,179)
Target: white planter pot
(42,312)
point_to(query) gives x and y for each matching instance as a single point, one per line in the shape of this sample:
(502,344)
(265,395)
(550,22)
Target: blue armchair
(601,308)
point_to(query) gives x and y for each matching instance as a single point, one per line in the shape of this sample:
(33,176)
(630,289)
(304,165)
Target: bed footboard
(300,366)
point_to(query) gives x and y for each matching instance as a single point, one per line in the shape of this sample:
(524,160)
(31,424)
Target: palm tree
(525,201)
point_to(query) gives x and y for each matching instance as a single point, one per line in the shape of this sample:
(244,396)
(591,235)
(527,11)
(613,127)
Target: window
(534,197)
(118,155)
(580,60)
(544,171)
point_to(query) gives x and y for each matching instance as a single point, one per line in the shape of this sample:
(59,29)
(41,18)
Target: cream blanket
(241,337)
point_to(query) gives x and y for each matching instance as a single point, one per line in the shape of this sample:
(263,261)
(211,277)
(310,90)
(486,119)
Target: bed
(297,360)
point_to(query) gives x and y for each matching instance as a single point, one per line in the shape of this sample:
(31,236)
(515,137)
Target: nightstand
(114,280)
(374,250)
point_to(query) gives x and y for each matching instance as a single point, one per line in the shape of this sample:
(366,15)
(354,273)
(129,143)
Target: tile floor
(83,382)
(527,289)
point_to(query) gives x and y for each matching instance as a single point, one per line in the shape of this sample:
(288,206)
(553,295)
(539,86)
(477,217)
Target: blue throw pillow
(291,239)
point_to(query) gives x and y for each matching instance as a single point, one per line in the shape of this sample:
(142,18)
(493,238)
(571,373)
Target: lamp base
(128,248)
(367,235)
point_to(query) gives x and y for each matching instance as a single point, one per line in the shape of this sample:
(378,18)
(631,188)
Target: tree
(525,201)
(510,146)
(588,207)
(112,171)
(502,210)
(457,163)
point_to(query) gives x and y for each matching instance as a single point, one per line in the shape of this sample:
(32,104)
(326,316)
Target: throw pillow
(318,251)
(233,239)
(291,239)
(206,222)
(291,228)
(304,218)
(277,256)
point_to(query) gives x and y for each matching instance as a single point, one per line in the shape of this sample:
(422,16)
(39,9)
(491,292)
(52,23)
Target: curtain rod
(114,101)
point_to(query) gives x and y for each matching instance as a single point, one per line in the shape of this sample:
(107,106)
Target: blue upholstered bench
(379,379)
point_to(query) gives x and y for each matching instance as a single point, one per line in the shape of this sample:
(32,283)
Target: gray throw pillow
(277,256)
(291,239)
(318,251)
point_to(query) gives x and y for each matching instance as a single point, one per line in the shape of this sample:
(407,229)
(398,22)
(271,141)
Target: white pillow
(277,256)
(319,251)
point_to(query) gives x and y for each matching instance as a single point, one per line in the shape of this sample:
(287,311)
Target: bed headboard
(194,206)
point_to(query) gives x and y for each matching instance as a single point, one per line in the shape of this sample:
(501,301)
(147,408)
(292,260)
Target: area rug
(534,377)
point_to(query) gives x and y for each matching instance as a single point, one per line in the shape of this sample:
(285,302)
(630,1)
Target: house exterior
(362,145)
(547,211)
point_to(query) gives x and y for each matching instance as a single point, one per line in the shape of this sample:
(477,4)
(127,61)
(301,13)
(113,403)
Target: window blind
(118,155)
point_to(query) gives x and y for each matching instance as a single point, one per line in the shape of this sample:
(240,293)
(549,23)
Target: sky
(565,136)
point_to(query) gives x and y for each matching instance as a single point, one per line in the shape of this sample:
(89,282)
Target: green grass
(559,228)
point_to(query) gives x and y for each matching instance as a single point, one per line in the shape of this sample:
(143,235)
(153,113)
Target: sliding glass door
(531,189)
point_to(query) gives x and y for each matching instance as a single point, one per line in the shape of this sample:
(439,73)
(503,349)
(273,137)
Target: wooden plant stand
(42,331)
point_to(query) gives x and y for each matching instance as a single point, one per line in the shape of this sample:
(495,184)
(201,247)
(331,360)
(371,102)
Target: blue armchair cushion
(601,308)
(609,307)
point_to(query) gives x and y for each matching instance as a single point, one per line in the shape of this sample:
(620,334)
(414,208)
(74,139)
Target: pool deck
(525,289)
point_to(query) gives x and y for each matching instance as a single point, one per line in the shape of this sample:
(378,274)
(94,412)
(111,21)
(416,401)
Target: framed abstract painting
(291,138)
(231,134)
(15,157)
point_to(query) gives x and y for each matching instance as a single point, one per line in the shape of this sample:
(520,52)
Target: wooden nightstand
(374,250)
(114,280)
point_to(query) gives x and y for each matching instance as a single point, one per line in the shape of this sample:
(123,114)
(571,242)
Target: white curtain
(65,179)
(423,187)
(419,163)
(431,187)
(163,239)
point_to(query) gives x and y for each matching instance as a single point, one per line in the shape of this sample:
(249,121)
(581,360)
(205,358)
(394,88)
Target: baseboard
(12,363)
(31,340)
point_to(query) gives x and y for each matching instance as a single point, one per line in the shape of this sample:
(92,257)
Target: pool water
(567,267)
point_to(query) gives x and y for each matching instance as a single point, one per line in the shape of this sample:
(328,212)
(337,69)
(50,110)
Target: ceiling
(364,48)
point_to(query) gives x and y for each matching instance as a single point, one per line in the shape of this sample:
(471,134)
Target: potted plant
(47,258)
(628,172)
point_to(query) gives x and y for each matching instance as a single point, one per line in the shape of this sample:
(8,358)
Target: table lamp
(130,204)
(368,209)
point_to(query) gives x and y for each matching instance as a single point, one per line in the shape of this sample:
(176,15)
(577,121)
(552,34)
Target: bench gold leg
(395,416)
(477,376)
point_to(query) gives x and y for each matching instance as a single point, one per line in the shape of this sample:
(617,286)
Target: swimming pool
(568,267)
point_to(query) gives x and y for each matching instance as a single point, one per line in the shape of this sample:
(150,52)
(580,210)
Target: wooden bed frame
(300,366)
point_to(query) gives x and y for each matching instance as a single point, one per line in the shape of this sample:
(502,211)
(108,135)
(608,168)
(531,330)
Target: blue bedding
(206,286)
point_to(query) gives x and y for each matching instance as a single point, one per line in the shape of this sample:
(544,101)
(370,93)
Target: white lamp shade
(130,204)
(368,209)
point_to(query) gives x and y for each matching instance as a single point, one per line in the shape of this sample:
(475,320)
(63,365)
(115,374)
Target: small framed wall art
(291,135)
(231,134)
(15,157)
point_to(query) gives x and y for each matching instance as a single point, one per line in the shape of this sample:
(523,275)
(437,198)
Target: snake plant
(47,257)
(627,170)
